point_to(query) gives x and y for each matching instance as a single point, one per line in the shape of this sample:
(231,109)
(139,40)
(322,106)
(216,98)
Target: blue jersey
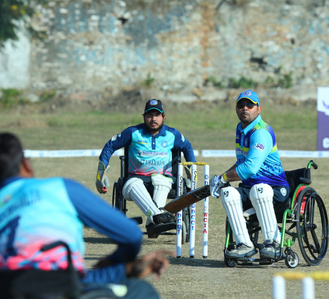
(257,155)
(35,212)
(148,154)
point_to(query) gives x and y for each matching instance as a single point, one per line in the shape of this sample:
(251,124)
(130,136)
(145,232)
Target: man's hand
(217,183)
(152,263)
(102,181)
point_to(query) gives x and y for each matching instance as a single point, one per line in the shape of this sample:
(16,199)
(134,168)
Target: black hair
(11,154)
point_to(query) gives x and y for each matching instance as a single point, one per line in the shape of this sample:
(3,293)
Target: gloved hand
(102,181)
(188,174)
(217,183)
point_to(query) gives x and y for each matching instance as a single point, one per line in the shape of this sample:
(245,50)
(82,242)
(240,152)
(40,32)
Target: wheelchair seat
(119,202)
(53,284)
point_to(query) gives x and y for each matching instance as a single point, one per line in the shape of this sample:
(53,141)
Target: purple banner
(323,119)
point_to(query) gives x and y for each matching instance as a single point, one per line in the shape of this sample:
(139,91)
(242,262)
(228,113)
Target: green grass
(207,126)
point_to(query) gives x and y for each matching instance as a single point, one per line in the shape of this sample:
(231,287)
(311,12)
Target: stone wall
(174,46)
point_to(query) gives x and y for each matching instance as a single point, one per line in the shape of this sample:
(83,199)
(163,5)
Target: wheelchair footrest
(153,231)
(139,219)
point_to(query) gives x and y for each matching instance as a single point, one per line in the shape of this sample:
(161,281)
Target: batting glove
(217,183)
(102,181)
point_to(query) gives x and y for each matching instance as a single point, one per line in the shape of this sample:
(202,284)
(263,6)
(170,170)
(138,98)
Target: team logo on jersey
(259,146)
(164,143)
(142,142)
(283,191)
(115,137)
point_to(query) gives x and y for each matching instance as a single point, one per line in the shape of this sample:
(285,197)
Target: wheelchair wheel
(183,232)
(291,260)
(186,220)
(312,226)
(117,199)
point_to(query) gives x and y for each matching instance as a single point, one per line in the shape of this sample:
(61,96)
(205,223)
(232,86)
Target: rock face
(185,50)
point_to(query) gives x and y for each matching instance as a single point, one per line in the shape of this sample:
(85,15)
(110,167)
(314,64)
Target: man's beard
(151,130)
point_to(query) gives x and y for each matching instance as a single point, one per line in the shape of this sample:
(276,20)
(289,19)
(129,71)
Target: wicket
(193,210)
(307,279)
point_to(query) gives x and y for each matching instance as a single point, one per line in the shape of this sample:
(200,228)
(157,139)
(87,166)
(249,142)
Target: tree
(12,14)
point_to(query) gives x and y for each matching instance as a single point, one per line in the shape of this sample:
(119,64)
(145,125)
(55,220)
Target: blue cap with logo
(250,95)
(153,105)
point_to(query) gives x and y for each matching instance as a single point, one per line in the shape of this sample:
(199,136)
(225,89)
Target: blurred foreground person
(36,212)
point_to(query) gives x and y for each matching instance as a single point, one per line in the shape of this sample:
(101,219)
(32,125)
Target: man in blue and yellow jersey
(150,146)
(264,186)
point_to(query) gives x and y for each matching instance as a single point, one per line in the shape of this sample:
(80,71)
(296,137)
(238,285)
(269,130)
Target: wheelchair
(120,203)
(54,284)
(307,220)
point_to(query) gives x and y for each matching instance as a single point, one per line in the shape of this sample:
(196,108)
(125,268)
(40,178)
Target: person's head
(247,107)
(12,160)
(154,116)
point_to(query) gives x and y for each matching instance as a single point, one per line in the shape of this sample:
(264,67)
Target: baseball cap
(250,95)
(153,105)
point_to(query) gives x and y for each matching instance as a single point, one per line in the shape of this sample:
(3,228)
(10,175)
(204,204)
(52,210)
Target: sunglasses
(248,104)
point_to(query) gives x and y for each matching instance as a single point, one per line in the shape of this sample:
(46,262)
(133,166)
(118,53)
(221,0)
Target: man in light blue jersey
(36,212)
(264,186)
(150,146)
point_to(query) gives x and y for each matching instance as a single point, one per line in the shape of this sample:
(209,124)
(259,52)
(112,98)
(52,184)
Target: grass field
(206,128)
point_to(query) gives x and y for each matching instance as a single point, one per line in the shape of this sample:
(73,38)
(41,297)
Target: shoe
(270,250)
(241,250)
(165,217)
(150,229)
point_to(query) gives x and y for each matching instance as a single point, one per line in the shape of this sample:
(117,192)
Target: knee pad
(261,197)
(135,190)
(162,186)
(232,203)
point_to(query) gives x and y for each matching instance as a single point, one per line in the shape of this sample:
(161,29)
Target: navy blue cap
(153,105)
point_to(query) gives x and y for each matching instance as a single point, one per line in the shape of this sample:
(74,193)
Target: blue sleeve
(99,215)
(116,142)
(182,144)
(261,145)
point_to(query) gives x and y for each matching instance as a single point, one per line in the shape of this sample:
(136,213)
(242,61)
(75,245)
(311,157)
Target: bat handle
(104,189)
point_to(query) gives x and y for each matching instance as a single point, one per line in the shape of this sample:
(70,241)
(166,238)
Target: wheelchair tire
(187,220)
(183,232)
(117,199)
(312,226)
(229,262)
(291,259)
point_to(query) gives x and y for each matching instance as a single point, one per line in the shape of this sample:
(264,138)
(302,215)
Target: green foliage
(149,80)
(284,80)
(213,80)
(243,82)
(12,13)
(11,98)
(47,95)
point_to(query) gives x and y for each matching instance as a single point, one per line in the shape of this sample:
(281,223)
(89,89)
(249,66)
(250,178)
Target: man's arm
(96,213)
(182,144)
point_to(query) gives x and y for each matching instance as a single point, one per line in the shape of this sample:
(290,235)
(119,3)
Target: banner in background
(323,119)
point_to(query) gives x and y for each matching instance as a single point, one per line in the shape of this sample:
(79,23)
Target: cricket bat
(187,199)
